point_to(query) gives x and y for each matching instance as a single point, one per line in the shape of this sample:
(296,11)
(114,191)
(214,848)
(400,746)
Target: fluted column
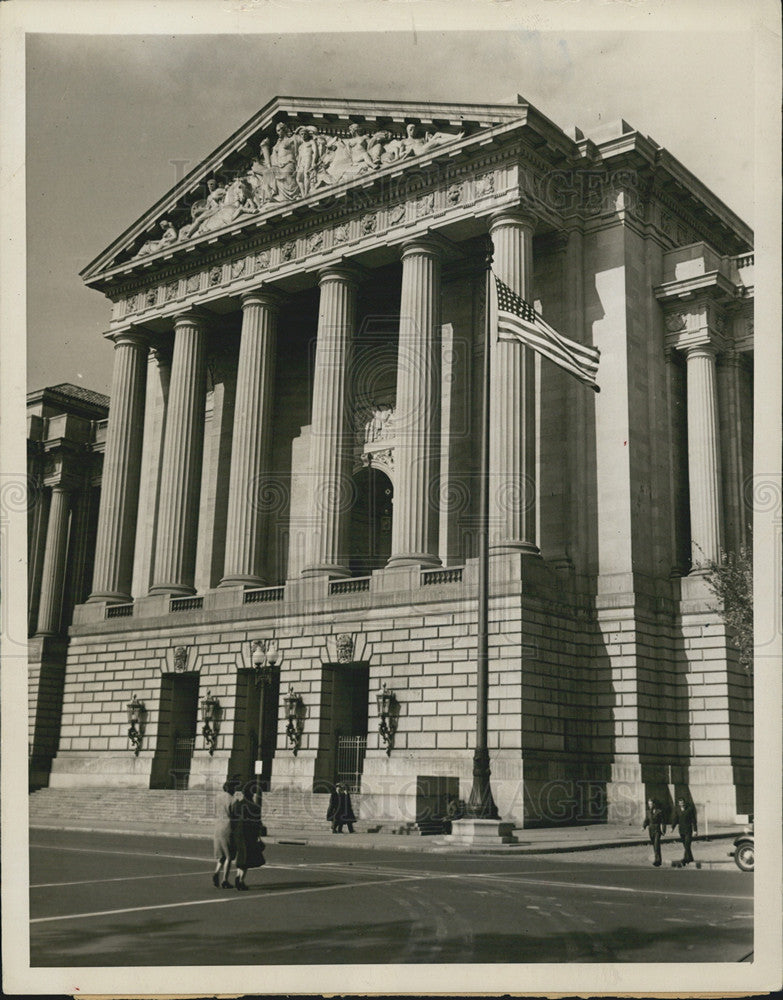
(512,421)
(183,446)
(250,440)
(417,411)
(50,608)
(158,375)
(704,477)
(113,572)
(330,455)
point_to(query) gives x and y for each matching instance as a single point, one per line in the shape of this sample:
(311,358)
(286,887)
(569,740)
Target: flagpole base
(471,832)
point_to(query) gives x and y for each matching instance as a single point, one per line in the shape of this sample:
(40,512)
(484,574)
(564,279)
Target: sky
(113,121)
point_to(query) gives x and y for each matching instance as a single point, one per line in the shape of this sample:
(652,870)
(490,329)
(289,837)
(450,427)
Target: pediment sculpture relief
(297,164)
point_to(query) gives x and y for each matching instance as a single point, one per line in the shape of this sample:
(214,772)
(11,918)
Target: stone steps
(284,810)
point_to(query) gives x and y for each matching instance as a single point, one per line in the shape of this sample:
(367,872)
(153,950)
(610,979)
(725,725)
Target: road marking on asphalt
(131,854)
(225,899)
(123,878)
(523,880)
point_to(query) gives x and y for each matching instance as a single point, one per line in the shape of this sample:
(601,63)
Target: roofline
(296,105)
(523,113)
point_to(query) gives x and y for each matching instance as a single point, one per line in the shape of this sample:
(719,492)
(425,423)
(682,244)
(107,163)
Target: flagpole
(481,805)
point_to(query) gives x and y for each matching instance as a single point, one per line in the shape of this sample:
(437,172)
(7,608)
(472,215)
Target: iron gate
(183,752)
(350,760)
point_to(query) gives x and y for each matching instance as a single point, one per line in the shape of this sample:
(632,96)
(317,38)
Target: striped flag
(518,320)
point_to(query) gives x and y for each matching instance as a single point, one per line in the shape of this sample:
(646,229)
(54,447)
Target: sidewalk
(559,840)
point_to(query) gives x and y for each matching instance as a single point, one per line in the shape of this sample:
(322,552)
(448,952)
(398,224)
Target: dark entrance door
(255,725)
(342,742)
(371,519)
(176,731)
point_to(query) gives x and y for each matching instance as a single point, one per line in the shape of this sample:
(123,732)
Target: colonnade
(417,455)
(417,423)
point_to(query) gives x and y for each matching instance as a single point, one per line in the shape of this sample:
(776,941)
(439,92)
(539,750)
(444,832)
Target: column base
(327,569)
(513,547)
(424,559)
(481,832)
(108,597)
(242,581)
(171,590)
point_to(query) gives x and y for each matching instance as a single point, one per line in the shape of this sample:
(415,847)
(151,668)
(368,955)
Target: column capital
(428,244)
(346,272)
(192,316)
(133,335)
(512,217)
(263,296)
(701,348)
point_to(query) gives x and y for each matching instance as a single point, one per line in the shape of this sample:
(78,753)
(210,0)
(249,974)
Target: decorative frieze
(235,276)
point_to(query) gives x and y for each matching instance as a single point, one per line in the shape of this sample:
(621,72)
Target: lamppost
(265,655)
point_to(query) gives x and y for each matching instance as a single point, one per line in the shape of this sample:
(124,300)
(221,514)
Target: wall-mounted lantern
(137,715)
(210,716)
(294,710)
(387,714)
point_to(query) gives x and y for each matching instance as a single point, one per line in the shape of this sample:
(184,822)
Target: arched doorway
(371,521)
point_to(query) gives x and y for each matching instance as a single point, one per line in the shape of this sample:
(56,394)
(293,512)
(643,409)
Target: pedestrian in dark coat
(223,841)
(653,822)
(246,832)
(340,811)
(685,821)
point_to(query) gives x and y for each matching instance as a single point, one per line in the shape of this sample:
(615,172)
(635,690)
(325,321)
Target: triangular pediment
(297,151)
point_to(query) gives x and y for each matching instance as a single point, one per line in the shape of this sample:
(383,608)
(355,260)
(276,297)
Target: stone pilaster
(121,472)
(730,375)
(50,607)
(36,553)
(250,442)
(704,474)
(330,455)
(512,453)
(180,481)
(417,413)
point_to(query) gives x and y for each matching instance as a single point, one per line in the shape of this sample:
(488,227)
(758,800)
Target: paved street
(100,899)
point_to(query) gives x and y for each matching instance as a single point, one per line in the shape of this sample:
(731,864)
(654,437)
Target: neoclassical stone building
(289,497)
(66,434)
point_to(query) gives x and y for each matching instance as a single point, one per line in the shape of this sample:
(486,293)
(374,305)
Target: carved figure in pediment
(307,158)
(282,160)
(232,202)
(411,145)
(358,143)
(169,236)
(380,148)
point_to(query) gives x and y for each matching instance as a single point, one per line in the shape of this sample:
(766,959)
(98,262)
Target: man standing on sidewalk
(653,820)
(685,821)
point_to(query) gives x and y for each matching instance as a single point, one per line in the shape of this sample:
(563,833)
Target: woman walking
(222,838)
(246,819)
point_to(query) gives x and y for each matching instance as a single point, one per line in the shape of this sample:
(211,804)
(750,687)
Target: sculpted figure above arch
(298,163)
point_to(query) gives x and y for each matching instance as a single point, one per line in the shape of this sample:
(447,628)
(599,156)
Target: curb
(435,845)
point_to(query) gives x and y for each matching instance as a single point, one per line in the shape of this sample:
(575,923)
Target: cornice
(522,120)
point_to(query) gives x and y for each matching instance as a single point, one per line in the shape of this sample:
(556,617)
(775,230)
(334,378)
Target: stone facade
(293,457)
(66,433)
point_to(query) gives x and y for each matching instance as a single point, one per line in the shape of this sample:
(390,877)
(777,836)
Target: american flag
(518,320)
